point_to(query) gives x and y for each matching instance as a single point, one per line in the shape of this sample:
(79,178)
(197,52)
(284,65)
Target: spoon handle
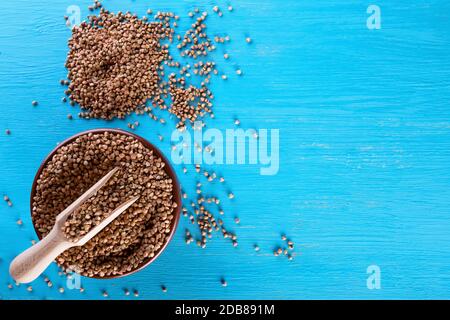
(28,265)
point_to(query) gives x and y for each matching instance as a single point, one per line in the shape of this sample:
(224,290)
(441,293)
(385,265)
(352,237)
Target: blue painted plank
(364,149)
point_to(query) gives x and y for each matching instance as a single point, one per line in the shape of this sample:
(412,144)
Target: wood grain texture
(365,146)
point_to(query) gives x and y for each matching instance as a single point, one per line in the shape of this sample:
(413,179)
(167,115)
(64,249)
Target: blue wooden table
(364,122)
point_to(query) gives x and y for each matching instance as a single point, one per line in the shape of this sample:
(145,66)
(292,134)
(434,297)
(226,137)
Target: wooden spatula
(32,262)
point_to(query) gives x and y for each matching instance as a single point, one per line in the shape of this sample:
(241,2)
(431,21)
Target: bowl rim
(168,168)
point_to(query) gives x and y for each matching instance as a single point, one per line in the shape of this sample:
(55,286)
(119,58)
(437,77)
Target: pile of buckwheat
(116,64)
(138,233)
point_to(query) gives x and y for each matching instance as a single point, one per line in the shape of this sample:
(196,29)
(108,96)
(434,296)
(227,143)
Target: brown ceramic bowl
(168,169)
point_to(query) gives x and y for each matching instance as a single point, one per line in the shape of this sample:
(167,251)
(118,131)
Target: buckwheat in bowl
(138,235)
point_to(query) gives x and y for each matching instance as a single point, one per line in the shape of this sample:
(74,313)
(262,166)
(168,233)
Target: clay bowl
(168,169)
